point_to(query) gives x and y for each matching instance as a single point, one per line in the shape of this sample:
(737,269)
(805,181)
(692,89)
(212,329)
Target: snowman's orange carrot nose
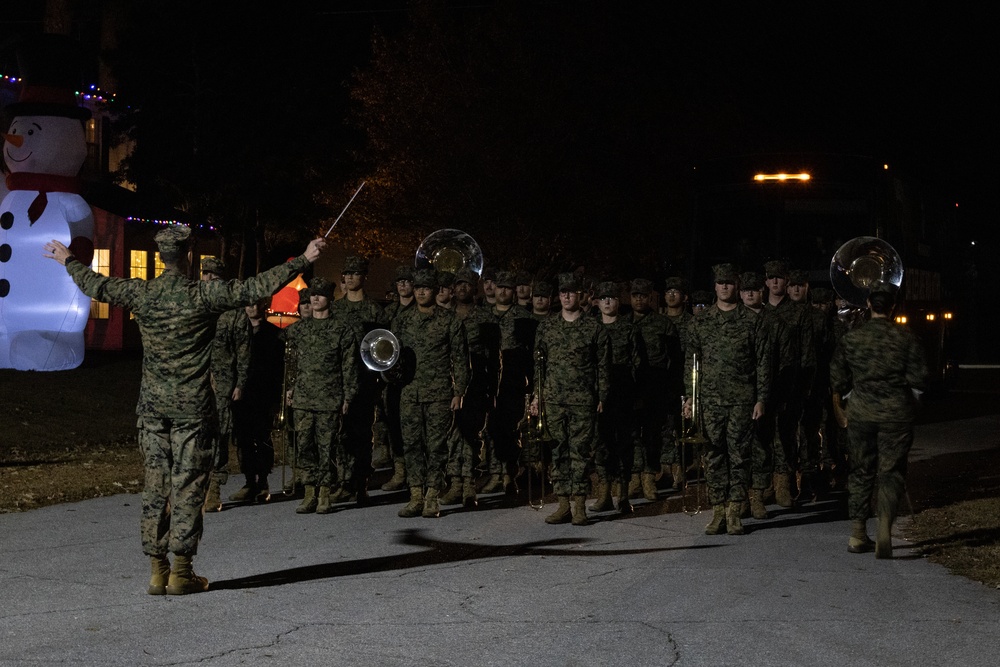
(14,139)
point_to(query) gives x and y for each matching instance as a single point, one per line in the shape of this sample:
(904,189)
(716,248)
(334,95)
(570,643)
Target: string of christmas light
(167,223)
(91,94)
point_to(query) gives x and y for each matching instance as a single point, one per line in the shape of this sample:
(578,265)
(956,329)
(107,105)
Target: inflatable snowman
(42,312)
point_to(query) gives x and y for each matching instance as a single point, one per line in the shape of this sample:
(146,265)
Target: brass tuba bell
(449,250)
(380,350)
(862,265)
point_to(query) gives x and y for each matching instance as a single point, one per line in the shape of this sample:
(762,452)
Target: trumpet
(693,436)
(538,437)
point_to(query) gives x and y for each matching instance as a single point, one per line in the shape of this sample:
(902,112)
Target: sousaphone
(863,265)
(449,250)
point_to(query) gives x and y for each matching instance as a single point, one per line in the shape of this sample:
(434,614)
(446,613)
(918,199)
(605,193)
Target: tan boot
(469,493)
(635,486)
(859,542)
(309,501)
(323,503)
(649,486)
(757,509)
(213,500)
(677,474)
(245,493)
(782,492)
(183,580)
(603,494)
(432,504)
(494,485)
(578,510)
(416,505)
(454,493)
(160,573)
(341,495)
(398,480)
(562,513)
(718,522)
(734,526)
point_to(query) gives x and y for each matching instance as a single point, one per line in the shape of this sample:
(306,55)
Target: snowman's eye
(30,132)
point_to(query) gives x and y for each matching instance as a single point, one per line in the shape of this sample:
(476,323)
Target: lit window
(102,265)
(138,264)
(158,266)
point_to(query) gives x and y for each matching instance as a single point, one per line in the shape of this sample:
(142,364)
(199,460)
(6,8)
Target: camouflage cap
(489,273)
(725,273)
(425,278)
(775,267)
(523,278)
(212,265)
(641,286)
(798,277)
(467,275)
(751,280)
(568,282)
(404,272)
(304,295)
(676,283)
(445,279)
(171,239)
(355,264)
(541,288)
(821,295)
(701,297)
(506,279)
(320,286)
(607,289)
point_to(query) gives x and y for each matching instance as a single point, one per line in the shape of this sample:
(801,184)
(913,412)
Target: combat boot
(309,501)
(469,494)
(341,495)
(859,542)
(718,522)
(432,507)
(635,486)
(183,580)
(159,575)
(677,475)
(494,485)
(578,510)
(649,486)
(603,495)
(562,513)
(883,536)
(323,503)
(245,494)
(263,494)
(757,509)
(398,480)
(416,504)
(734,526)
(624,505)
(782,493)
(213,500)
(454,493)
(510,485)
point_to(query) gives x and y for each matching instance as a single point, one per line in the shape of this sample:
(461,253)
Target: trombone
(282,424)
(538,437)
(693,435)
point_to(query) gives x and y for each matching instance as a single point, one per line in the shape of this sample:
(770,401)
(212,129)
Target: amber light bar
(782,177)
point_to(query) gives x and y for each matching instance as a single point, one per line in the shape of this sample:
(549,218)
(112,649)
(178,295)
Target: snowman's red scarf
(42,183)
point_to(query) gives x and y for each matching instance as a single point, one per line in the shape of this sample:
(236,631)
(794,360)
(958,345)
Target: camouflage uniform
(573,375)
(435,364)
(517,334)
(818,394)
(326,376)
(735,374)
(392,389)
(364,315)
(176,408)
(879,363)
(230,362)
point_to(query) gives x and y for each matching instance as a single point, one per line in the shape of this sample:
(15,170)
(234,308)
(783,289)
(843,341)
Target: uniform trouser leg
(615,451)
(254,446)
(668,435)
(879,452)
(178,456)
(505,435)
(574,428)
(466,439)
(655,432)
(316,434)
(786,438)
(356,467)
(811,441)
(222,438)
(425,442)
(392,392)
(729,429)
(762,452)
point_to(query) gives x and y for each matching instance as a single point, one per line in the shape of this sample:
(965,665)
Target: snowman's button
(4,253)
(4,287)
(7,220)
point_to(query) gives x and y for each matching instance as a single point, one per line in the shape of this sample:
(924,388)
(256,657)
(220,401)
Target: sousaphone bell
(863,265)
(448,250)
(380,352)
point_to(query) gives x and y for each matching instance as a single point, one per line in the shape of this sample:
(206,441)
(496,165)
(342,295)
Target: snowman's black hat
(49,76)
